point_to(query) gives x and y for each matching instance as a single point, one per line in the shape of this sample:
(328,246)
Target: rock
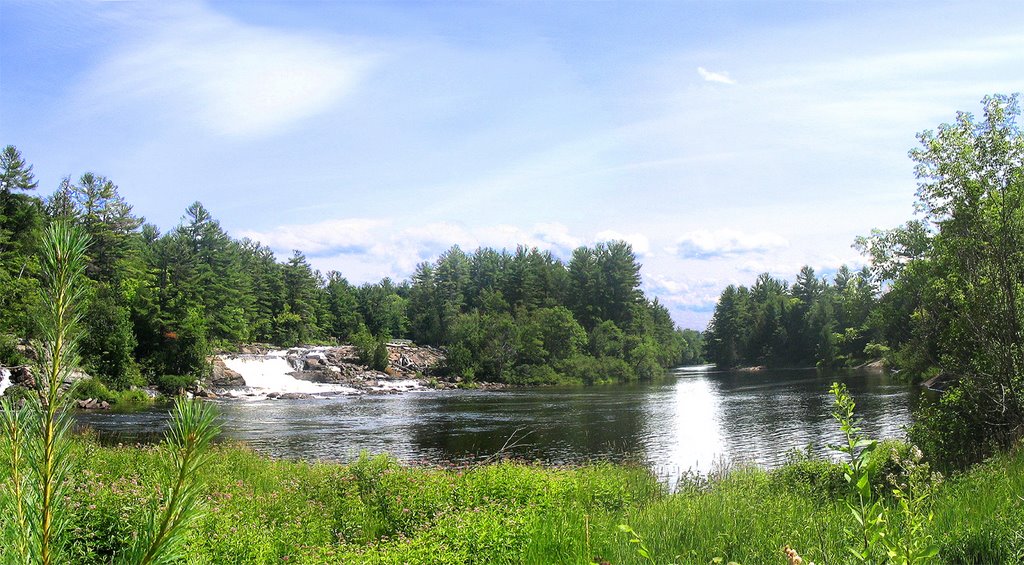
(293,396)
(223,377)
(205,393)
(940,382)
(75,376)
(92,404)
(23,376)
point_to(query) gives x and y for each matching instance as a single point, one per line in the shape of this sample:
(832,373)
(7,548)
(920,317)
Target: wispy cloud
(683,292)
(229,78)
(366,249)
(706,244)
(715,76)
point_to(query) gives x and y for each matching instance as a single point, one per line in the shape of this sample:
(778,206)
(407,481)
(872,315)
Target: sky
(721,139)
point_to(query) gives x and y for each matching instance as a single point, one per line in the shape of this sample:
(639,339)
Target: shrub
(596,370)
(93,388)
(17,393)
(173,384)
(536,375)
(805,473)
(133,396)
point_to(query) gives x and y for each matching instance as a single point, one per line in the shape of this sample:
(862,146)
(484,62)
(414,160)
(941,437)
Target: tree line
(943,297)
(814,321)
(159,303)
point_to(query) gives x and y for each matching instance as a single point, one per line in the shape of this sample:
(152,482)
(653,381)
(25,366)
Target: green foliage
(109,341)
(174,384)
(18,393)
(902,534)
(372,350)
(812,476)
(375,510)
(634,538)
(596,370)
(187,448)
(814,322)
(867,510)
(92,388)
(956,299)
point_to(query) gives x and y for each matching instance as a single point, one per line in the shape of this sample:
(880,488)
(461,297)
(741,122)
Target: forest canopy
(160,303)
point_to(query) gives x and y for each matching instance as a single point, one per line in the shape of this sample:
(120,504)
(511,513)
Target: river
(695,420)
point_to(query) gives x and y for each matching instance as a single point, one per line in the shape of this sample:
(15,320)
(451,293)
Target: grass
(261,510)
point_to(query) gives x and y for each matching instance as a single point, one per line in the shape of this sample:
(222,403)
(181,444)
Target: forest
(943,296)
(159,303)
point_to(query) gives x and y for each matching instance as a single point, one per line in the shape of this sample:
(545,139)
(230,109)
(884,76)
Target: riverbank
(262,510)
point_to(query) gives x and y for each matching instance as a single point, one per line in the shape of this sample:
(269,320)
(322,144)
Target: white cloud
(715,76)
(641,245)
(229,78)
(347,235)
(684,293)
(367,249)
(706,244)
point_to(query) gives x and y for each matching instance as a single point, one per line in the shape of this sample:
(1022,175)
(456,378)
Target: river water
(692,421)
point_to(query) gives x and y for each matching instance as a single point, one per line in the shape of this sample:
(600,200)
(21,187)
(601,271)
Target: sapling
(34,437)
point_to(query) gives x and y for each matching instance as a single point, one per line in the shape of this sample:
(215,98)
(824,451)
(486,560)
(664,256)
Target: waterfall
(5,379)
(269,373)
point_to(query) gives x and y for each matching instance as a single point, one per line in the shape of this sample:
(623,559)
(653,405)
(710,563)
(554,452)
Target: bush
(9,354)
(133,396)
(805,473)
(596,370)
(536,375)
(93,388)
(173,384)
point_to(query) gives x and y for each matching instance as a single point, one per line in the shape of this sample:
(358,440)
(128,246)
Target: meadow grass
(375,510)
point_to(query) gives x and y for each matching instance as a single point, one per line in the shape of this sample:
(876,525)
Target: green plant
(192,429)
(902,535)
(173,384)
(635,539)
(35,435)
(866,508)
(912,489)
(93,388)
(133,396)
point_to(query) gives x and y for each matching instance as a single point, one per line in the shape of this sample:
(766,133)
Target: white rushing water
(269,373)
(5,379)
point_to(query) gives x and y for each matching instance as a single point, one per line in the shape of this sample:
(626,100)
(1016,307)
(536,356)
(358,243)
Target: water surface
(691,421)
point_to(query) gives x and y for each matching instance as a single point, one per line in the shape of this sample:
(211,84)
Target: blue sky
(722,139)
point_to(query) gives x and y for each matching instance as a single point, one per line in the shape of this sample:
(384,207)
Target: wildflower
(793,557)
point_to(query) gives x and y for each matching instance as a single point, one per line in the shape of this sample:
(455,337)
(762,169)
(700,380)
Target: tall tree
(971,190)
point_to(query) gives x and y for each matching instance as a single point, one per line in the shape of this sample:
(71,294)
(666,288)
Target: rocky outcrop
(409,360)
(409,367)
(223,377)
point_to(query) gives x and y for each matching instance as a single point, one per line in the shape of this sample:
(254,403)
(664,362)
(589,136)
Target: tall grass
(376,510)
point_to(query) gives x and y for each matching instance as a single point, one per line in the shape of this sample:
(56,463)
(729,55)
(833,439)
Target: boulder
(224,377)
(92,404)
(23,376)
